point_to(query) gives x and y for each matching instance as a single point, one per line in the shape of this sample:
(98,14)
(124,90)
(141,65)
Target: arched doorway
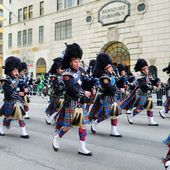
(119,53)
(153,70)
(40,66)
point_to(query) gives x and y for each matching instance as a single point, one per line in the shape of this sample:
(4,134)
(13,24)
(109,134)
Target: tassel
(60,104)
(149,104)
(77,117)
(17,112)
(114,110)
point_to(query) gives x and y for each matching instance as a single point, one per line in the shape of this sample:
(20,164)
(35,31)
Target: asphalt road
(140,148)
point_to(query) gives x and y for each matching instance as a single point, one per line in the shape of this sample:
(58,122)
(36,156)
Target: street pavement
(140,148)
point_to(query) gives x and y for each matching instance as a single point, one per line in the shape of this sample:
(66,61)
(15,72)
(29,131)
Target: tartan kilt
(102,108)
(65,116)
(52,107)
(95,108)
(141,102)
(13,110)
(167,104)
(130,101)
(6,109)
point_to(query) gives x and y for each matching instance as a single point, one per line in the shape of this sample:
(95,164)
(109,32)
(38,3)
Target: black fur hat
(140,64)
(92,63)
(121,68)
(12,63)
(72,51)
(167,69)
(57,63)
(23,66)
(102,61)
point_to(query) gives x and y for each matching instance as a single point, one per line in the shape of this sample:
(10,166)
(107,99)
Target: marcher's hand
(21,93)
(87,94)
(94,91)
(26,90)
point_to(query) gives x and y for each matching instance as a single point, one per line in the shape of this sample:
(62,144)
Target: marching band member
(56,89)
(105,105)
(145,85)
(24,88)
(167,88)
(12,108)
(166,161)
(72,113)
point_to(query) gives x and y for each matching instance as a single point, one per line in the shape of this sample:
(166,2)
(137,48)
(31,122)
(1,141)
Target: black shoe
(85,154)
(119,136)
(2,134)
(153,124)
(27,117)
(162,116)
(25,136)
(55,149)
(93,131)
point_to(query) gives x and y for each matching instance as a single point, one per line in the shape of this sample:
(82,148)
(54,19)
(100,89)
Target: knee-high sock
(149,113)
(114,122)
(82,134)
(62,132)
(7,122)
(21,123)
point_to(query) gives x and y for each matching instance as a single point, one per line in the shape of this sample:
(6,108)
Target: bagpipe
(88,81)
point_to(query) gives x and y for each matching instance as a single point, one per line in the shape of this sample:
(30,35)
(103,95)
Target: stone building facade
(125,29)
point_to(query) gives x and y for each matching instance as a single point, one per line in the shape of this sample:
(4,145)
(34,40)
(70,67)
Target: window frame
(9,40)
(63,29)
(41,34)
(41,8)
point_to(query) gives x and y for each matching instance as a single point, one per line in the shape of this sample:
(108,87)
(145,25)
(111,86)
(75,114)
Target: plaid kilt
(102,108)
(167,104)
(52,107)
(13,110)
(141,102)
(65,116)
(7,109)
(167,140)
(129,102)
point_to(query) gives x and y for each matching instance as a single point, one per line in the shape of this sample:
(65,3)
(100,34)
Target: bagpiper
(145,85)
(105,104)
(12,109)
(24,88)
(72,112)
(167,89)
(166,161)
(56,90)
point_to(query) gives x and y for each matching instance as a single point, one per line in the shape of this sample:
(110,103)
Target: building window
(24,37)
(30,36)
(63,29)
(19,15)
(24,13)
(41,34)
(1,12)
(30,14)
(10,17)
(70,3)
(79,2)
(41,8)
(1,24)
(10,1)
(59,5)
(10,40)
(19,38)
(1,48)
(1,36)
